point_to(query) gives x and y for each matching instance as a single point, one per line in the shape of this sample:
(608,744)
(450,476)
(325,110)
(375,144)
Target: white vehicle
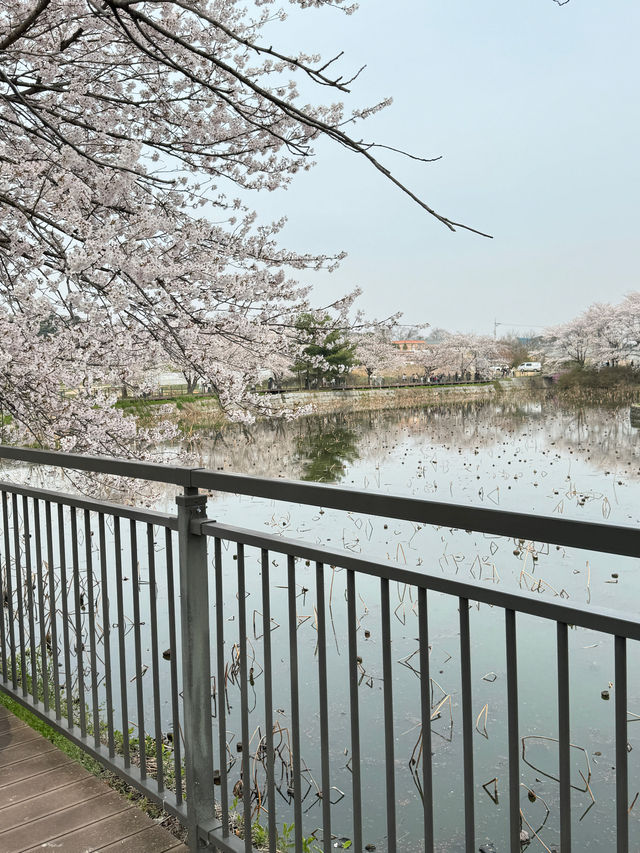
(529,367)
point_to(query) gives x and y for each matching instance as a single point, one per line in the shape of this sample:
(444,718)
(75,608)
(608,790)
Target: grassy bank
(605,377)
(606,386)
(190,412)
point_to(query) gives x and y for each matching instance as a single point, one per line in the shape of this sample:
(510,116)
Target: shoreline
(195,413)
(379,399)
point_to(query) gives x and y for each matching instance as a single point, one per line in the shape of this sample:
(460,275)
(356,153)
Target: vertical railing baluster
(467,727)
(173,667)
(64,604)
(19,601)
(28,579)
(221,688)
(425,702)
(196,663)
(324,709)
(512,732)
(355,711)
(135,587)
(53,612)
(44,666)
(387,677)
(564,738)
(622,781)
(106,633)
(244,699)
(122,652)
(78,620)
(95,705)
(9,581)
(155,666)
(295,700)
(4,564)
(268,696)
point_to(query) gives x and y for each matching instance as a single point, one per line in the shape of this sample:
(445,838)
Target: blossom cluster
(127,129)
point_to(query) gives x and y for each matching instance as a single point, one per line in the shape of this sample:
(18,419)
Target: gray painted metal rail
(556,531)
(91,598)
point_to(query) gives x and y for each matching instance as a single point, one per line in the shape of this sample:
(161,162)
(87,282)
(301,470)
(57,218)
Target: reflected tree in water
(327,446)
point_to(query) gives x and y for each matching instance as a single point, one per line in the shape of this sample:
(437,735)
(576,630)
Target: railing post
(196,668)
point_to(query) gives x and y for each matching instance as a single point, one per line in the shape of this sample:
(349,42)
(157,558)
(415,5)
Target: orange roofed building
(409,346)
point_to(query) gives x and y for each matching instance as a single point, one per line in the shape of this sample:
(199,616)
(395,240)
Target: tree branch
(312,122)
(22,28)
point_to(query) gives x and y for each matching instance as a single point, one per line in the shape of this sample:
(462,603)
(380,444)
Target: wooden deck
(48,801)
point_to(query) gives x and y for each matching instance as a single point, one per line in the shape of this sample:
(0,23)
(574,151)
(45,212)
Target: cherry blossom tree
(628,325)
(429,357)
(571,341)
(609,342)
(602,334)
(467,353)
(375,352)
(127,128)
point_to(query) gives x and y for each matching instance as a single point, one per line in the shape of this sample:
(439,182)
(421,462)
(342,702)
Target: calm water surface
(533,456)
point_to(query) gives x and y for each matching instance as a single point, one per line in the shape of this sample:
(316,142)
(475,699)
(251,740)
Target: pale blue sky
(534,108)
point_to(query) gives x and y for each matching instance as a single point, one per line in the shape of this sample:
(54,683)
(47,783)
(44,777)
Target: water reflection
(326,446)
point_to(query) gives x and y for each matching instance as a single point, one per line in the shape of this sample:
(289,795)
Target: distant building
(409,346)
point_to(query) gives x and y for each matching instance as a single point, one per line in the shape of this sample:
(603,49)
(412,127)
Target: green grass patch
(57,739)
(190,412)
(141,403)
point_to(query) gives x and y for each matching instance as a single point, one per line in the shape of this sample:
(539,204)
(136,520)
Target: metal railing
(91,597)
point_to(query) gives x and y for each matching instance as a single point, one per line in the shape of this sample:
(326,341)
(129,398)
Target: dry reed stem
(555,740)
(535,834)
(494,796)
(484,712)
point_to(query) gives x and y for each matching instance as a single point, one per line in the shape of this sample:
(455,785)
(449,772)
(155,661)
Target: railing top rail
(570,533)
(147,516)
(152,471)
(593,618)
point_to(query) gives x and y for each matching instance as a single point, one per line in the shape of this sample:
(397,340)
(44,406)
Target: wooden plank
(31,767)
(154,839)
(47,780)
(126,829)
(45,830)
(16,754)
(78,792)
(16,736)
(48,800)
(11,723)
(8,719)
